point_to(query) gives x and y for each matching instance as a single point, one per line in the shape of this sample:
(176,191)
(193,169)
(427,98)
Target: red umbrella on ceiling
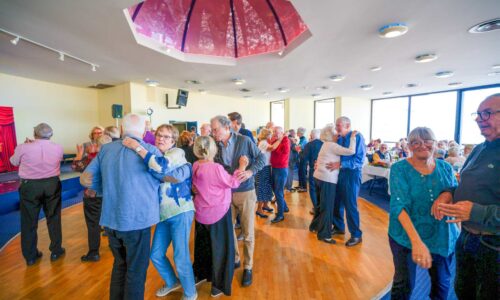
(217,31)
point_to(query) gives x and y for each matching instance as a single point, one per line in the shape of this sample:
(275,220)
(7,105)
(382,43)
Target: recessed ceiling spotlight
(322,88)
(203,92)
(494,73)
(189,81)
(244,90)
(93,68)
(238,81)
(411,85)
(283,90)
(494,67)
(376,68)
(444,74)
(151,82)
(392,30)
(15,40)
(316,95)
(455,84)
(486,26)
(425,58)
(387,93)
(61,56)
(337,77)
(366,87)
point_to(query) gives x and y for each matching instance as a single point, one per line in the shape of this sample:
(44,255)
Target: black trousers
(36,194)
(214,253)
(92,212)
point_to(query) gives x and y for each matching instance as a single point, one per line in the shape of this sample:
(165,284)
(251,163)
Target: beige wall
(119,94)
(200,108)
(70,111)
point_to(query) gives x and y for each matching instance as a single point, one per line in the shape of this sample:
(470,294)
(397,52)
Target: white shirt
(267,154)
(330,152)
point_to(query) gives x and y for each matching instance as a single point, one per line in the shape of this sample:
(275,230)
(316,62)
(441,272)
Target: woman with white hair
(326,181)
(454,158)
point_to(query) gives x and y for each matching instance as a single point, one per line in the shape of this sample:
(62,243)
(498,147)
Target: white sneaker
(165,290)
(194,297)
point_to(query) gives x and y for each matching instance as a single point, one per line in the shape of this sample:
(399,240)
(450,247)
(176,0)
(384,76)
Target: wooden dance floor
(289,262)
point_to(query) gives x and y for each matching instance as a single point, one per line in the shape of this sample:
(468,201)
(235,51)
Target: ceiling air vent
(101,86)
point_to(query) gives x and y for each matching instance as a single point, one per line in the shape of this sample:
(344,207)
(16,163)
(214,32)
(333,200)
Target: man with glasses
(476,204)
(382,157)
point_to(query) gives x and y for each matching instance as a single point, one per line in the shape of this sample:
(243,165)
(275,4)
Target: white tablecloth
(369,172)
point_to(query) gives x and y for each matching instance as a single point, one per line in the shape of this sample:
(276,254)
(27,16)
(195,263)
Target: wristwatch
(138,149)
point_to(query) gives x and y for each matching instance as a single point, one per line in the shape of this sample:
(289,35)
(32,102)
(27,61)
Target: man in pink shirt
(39,168)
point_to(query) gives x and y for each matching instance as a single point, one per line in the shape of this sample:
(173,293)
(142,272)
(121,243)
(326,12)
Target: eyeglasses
(420,143)
(165,137)
(483,115)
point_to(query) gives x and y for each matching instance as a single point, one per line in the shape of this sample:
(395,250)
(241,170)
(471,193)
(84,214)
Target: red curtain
(8,140)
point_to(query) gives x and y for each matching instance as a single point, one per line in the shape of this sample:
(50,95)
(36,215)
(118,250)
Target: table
(370,172)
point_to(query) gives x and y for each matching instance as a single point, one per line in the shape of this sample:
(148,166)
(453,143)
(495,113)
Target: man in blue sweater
(231,146)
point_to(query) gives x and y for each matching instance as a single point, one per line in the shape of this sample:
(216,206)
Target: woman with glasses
(176,210)
(415,237)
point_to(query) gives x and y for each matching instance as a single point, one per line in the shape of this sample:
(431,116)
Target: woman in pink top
(214,241)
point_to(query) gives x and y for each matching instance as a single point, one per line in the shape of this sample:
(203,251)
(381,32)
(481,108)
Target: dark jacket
(311,151)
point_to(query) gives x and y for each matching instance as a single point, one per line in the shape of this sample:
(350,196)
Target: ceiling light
(280,53)
(411,85)
(387,93)
(337,77)
(444,74)
(238,81)
(392,30)
(247,96)
(93,68)
(425,58)
(376,68)
(15,40)
(486,26)
(283,90)
(203,92)
(193,82)
(494,73)
(244,90)
(322,88)
(494,67)
(61,56)
(315,95)
(366,87)
(151,82)
(455,84)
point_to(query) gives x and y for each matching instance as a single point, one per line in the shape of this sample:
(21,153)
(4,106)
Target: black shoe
(286,209)
(336,231)
(237,265)
(277,219)
(353,241)
(328,241)
(301,190)
(247,278)
(31,262)
(268,209)
(312,230)
(215,292)
(56,256)
(258,213)
(90,258)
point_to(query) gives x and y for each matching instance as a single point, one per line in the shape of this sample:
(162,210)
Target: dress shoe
(237,264)
(277,219)
(56,256)
(268,209)
(90,258)
(328,241)
(258,213)
(215,292)
(353,241)
(31,262)
(247,278)
(336,231)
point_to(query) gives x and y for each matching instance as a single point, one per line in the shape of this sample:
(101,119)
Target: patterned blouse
(415,193)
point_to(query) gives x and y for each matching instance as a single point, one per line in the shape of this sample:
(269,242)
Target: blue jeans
(478,266)
(131,252)
(347,196)
(174,230)
(279,180)
(405,270)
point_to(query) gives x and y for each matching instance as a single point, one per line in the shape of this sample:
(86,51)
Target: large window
(278,113)
(324,112)
(469,132)
(436,111)
(389,119)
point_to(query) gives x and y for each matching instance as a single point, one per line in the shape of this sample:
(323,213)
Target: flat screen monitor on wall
(182,97)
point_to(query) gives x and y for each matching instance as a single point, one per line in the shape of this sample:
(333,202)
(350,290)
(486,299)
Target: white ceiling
(344,40)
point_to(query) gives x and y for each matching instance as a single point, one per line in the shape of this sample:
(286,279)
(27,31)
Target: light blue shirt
(356,160)
(415,193)
(130,193)
(228,151)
